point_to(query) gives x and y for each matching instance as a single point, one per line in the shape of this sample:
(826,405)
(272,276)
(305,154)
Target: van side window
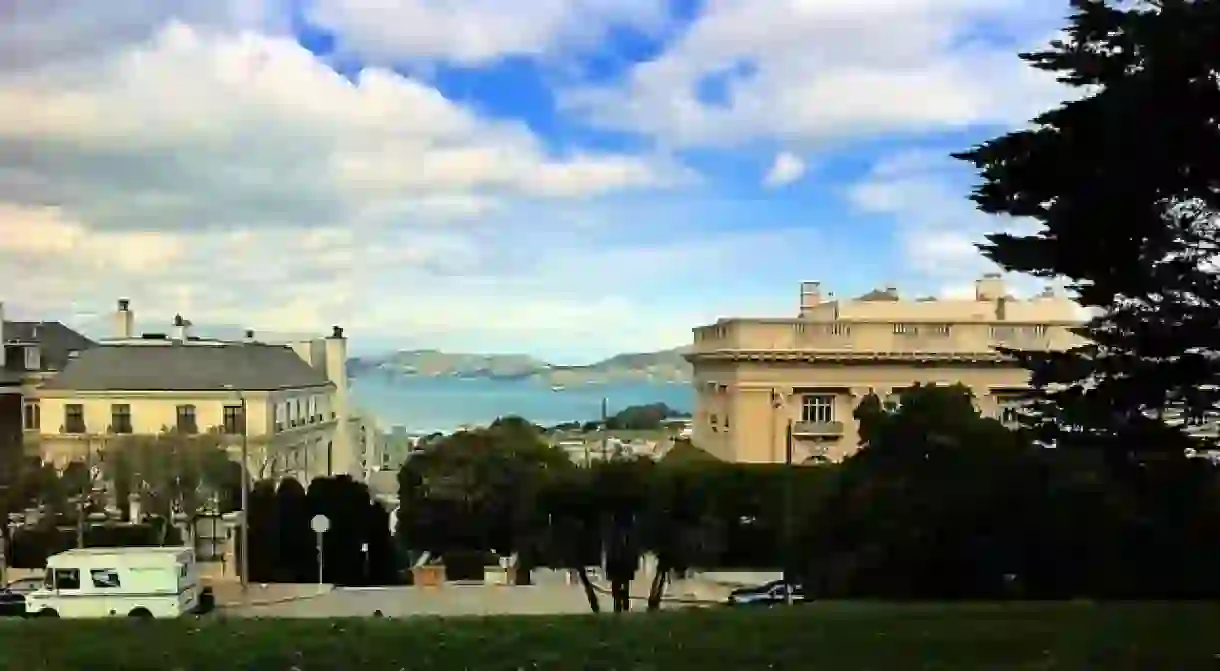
(67,578)
(104,577)
(185,570)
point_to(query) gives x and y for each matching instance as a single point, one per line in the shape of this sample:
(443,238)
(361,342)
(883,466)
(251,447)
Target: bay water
(427,404)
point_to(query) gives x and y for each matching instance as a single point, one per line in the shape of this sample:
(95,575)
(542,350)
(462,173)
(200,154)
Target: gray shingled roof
(179,367)
(54,339)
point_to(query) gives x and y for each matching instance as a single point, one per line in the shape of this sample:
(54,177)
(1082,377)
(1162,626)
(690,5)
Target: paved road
(450,600)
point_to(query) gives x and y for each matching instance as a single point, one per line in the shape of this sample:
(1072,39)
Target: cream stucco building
(291,399)
(753,376)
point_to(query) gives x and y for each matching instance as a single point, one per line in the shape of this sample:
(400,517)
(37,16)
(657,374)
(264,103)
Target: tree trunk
(657,590)
(590,593)
(620,592)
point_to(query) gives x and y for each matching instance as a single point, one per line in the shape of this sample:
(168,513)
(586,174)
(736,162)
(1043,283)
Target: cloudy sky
(569,178)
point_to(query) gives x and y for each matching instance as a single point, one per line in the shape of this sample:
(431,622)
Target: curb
(272,602)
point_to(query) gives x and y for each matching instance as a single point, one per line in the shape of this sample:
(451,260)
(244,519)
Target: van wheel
(48,612)
(140,614)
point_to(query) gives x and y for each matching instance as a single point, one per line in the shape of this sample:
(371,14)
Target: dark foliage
(29,548)
(1124,186)
(942,503)
(642,417)
(356,550)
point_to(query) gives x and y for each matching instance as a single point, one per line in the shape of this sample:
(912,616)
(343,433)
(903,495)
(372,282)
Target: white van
(144,582)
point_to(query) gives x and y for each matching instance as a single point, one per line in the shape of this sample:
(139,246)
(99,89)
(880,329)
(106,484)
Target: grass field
(843,637)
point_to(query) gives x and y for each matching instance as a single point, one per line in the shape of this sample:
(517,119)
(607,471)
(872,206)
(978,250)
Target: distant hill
(663,366)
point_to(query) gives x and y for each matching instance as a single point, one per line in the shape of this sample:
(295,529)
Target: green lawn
(846,637)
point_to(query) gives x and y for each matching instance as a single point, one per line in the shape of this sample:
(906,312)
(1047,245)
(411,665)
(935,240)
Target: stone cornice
(850,358)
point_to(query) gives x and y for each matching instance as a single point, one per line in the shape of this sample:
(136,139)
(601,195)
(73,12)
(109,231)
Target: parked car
(12,596)
(769,594)
(24,586)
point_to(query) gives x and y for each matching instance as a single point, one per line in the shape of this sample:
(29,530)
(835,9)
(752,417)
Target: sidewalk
(692,591)
(228,593)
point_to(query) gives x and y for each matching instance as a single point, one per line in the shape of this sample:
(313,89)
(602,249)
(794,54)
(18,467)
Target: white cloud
(193,157)
(807,70)
(785,169)
(475,32)
(936,226)
(231,175)
(204,126)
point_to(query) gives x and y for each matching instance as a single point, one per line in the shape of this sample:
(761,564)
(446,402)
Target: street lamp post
(788,540)
(244,528)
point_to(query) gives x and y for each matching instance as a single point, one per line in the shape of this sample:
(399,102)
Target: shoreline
(424,405)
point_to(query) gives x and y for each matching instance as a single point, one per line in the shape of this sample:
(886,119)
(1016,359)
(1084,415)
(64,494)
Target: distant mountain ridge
(663,366)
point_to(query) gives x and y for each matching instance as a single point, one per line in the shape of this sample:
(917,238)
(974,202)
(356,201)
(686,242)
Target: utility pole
(789,514)
(83,494)
(243,530)
(244,560)
(605,427)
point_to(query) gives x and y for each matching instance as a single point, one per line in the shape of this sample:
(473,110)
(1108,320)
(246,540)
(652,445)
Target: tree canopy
(1122,184)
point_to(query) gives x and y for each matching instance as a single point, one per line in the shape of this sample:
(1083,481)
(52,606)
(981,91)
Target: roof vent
(124,304)
(336,332)
(179,321)
(249,334)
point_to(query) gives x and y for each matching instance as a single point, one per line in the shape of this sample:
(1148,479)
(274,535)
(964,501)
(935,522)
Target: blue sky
(567,178)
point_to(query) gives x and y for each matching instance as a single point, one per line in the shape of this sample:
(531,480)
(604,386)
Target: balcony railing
(817,429)
(865,337)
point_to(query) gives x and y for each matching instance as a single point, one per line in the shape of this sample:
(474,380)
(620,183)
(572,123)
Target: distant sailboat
(558,387)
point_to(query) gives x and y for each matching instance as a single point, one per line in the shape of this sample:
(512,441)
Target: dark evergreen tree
(1124,185)
(297,545)
(381,563)
(264,533)
(345,503)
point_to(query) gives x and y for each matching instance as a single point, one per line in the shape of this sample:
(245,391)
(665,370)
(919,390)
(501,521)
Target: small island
(666,366)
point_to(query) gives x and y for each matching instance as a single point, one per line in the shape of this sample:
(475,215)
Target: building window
(234,420)
(940,330)
(713,421)
(32,358)
(1010,414)
(1009,410)
(906,329)
(312,408)
(818,408)
(839,329)
(120,418)
(298,416)
(186,419)
(1038,331)
(31,416)
(74,418)
(1001,332)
